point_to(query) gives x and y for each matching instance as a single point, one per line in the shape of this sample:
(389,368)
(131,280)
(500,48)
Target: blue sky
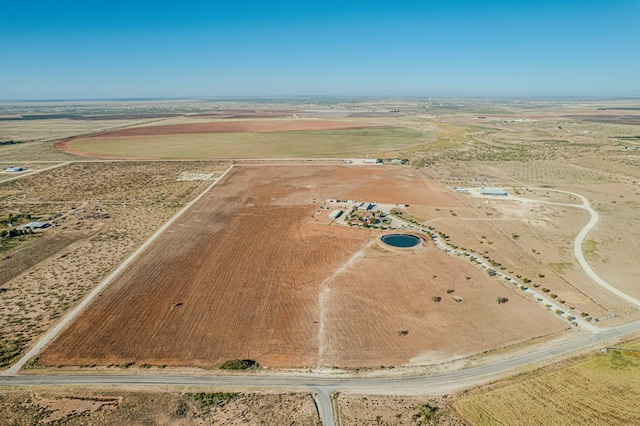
(98,49)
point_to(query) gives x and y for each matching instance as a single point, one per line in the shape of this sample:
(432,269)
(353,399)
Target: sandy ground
(75,405)
(44,276)
(250,275)
(367,410)
(545,233)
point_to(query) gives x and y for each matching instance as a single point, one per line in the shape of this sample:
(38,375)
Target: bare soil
(104,211)
(76,405)
(365,410)
(235,126)
(247,274)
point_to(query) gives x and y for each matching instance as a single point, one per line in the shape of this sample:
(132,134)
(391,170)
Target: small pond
(401,240)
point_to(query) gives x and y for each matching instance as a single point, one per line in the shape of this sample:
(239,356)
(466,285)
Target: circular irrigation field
(245,139)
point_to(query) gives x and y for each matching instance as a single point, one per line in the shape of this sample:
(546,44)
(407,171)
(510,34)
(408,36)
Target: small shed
(37,225)
(335,214)
(13,169)
(494,192)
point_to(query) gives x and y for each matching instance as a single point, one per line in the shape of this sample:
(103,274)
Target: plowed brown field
(236,126)
(246,274)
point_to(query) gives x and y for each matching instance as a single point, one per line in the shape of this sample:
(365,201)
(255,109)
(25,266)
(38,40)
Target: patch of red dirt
(234,127)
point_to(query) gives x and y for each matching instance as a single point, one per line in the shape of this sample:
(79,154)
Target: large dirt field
(248,273)
(244,139)
(104,212)
(235,127)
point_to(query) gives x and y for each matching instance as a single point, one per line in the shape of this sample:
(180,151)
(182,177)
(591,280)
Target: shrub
(212,399)
(181,409)
(436,298)
(502,300)
(450,290)
(239,364)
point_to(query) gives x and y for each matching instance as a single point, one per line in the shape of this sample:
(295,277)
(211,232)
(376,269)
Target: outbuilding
(37,225)
(14,169)
(335,214)
(494,192)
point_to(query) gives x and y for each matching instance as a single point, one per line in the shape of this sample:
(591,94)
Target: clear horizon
(153,50)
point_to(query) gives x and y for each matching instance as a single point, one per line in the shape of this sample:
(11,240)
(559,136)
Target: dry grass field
(546,232)
(245,139)
(104,211)
(365,410)
(603,390)
(75,405)
(250,275)
(52,129)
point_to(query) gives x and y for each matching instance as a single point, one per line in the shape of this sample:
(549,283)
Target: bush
(436,298)
(239,364)
(181,409)
(502,300)
(212,399)
(450,290)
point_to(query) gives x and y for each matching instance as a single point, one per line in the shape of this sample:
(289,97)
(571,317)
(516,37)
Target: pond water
(401,240)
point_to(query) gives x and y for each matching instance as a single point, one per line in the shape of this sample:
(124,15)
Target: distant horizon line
(334,97)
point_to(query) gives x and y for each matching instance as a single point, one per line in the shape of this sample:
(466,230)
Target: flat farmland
(603,390)
(246,273)
(245,139)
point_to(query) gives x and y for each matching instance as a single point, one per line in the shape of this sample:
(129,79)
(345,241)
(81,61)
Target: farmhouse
(494,192)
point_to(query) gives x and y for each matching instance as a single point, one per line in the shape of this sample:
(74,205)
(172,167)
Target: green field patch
(314,143)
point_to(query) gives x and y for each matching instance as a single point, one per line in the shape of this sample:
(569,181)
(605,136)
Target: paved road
(323,385)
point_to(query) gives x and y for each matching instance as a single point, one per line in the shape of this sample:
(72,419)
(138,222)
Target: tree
(502,300)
